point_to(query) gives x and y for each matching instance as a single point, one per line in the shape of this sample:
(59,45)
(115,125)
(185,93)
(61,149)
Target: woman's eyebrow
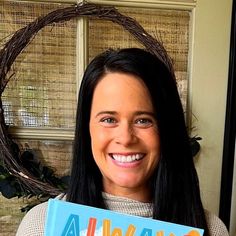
(149,113)
(136,113)
(106,113)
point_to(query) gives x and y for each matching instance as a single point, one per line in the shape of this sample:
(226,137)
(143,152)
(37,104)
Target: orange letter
(160,233)
(130,231)
(106,227)
(91,226)
(116,232)
(193,233)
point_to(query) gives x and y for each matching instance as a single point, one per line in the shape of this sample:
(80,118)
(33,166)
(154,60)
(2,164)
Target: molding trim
(42,133)
(184,5)
(177,4)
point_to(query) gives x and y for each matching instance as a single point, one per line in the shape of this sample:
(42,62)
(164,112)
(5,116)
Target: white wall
(208,92)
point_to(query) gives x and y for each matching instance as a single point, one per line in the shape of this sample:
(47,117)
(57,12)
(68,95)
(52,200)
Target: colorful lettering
(116,232)
(72,226)
(193,233)
(160,233)
(91,226)
(106,227)
(130,231)
(146,232)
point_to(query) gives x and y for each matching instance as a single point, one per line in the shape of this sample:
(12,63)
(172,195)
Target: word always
(72,228)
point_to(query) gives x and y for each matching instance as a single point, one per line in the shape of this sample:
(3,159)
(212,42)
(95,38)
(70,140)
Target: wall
(208,91)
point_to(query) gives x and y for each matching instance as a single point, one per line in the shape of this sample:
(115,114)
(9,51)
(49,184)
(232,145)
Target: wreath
(21,173)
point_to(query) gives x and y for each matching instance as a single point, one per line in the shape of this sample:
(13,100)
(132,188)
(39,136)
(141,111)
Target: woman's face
(124,135)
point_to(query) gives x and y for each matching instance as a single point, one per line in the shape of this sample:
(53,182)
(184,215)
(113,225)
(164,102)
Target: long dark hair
(176,195)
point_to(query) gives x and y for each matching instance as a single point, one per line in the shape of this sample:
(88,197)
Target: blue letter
(146,232)
(72,226)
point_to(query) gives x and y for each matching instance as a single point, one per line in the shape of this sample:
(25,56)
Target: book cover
(70,219)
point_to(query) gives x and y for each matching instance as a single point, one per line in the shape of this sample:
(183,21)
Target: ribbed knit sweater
(34,221)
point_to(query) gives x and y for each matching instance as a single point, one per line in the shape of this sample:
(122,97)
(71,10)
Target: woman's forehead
(120,91)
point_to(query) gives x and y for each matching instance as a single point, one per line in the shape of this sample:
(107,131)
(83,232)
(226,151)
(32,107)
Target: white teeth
(123,159)
(127,159)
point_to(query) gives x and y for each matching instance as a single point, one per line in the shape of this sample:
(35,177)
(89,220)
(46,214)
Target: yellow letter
(106,227)
(160,233)
(116,232)
(130,231)
(193,233)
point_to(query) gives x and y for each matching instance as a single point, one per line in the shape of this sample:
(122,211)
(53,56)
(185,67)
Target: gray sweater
(34,221)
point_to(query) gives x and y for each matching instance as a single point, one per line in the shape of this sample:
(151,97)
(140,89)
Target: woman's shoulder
(216,225)
(33,222)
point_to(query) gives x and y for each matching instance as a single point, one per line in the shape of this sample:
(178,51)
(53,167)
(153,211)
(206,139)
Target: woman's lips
(127,158)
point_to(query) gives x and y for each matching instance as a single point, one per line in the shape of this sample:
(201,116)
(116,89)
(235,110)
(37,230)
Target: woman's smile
(127,158)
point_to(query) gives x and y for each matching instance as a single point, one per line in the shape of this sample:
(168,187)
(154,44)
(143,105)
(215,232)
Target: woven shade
(43,92)
(171,26)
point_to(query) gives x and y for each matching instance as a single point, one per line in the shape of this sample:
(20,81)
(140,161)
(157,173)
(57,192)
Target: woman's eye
(108,120)
(144,122)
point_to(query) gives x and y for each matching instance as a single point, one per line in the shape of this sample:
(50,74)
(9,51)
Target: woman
(131,147)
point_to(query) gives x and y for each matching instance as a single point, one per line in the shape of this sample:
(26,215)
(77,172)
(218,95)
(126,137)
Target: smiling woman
(131,148)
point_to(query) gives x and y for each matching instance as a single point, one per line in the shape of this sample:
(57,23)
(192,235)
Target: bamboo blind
(41,94)
(170,26)
(43,91)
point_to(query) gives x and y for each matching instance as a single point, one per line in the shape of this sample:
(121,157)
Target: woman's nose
(125,134)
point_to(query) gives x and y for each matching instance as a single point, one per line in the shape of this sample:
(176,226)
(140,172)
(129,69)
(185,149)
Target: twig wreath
(10,156)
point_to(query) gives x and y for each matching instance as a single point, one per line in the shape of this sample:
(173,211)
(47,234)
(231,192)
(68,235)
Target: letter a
(146,232)
(72,226)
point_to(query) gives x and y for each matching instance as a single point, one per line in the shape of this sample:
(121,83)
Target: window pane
(54,154)
(170,26)
(42,92)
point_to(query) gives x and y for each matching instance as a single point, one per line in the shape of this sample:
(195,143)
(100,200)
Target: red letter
(91,226)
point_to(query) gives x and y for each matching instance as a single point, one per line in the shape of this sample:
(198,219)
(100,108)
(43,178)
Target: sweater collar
(127,206)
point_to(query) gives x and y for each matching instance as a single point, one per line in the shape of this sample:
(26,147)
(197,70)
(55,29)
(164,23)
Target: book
(71,219)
